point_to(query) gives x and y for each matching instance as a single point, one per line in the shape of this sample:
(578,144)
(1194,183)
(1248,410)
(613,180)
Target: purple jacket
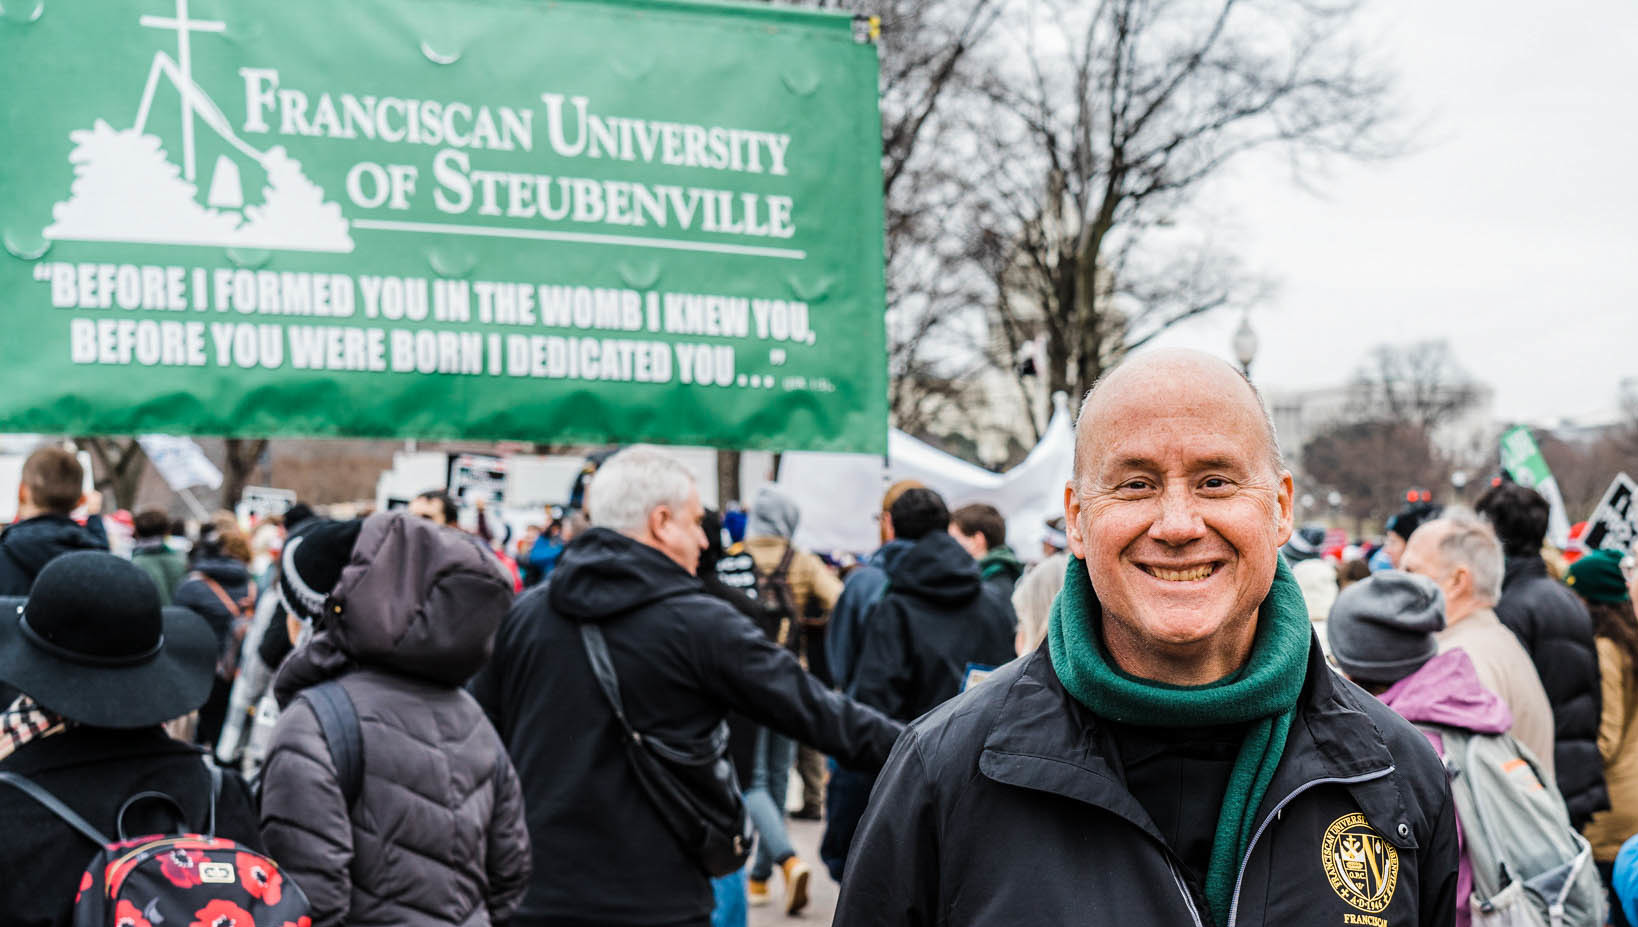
(1447,691)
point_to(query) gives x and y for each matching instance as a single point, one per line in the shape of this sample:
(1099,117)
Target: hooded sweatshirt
(684,660)
(26,547)
(1446,691)
(936,621)
(437,834)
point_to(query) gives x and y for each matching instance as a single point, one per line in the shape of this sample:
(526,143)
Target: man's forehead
(1172,404)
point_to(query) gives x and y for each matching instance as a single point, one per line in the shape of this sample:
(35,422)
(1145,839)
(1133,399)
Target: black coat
(94,771)
(1001,808)
(1556,629)
(684,659)
(26,547)
(936,620)
(193,593)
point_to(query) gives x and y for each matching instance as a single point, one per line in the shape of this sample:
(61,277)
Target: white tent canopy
(840,494)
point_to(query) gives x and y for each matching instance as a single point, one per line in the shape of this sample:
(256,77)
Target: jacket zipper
(1183,889)
(1234,901)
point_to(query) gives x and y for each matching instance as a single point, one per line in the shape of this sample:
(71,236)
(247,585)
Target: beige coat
(1505,669)
(1618,744)
(809,577)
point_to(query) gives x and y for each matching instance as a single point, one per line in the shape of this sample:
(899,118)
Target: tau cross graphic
(184,61)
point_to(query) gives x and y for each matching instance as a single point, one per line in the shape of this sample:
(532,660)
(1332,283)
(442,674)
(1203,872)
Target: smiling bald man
(1177,751)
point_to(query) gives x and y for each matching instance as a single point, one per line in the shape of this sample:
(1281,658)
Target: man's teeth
(1182,576)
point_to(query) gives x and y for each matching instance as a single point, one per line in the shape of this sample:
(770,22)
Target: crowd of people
(1183,709)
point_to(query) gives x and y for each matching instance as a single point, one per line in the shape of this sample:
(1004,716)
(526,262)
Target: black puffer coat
(1554,627)
(1003,806)
(684,659)
(437,835)
(937,619)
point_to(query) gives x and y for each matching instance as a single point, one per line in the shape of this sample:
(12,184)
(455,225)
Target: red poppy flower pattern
(259,878)
(182,867)
(85,883)
(304,921)
(127,915)
(222,913)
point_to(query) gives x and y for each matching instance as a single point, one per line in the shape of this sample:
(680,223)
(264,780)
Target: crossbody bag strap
(216,587)
(602,667)
(69,816)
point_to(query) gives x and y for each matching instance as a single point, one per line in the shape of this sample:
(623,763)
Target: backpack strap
(338,719)
(38,792)
(215,792)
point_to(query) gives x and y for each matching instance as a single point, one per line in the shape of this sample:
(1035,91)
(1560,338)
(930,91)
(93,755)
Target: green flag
(1522,460)
(567,222)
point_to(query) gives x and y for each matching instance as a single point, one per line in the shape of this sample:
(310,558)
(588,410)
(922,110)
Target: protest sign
(567,222)
(1522,460)
(1614,523)
(474,477)
(259,502)
(180,461)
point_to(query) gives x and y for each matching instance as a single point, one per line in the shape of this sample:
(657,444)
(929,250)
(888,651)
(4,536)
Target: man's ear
(1287,519)
(659,517)
(1072,520)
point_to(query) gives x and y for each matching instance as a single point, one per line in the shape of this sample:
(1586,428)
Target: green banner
(485,219)
(1522,459)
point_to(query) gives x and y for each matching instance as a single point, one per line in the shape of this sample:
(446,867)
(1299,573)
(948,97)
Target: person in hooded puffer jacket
(403,611)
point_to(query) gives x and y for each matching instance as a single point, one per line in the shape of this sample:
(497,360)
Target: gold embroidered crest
(1362,866)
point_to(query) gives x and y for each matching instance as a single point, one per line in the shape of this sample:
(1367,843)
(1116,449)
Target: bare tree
(1373,463)
(1098,125)
(1418,384)
(118,466)
(242,457)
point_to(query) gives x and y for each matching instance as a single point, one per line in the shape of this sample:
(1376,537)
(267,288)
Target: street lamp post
(1245,345)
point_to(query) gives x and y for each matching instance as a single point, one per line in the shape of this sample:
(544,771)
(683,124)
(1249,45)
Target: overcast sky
(1512,229)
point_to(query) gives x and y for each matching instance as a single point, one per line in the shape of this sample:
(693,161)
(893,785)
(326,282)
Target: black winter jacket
(26,547)
(684,660)
(1001,807)
(1554,627)
(196,595)
(936,619)
(93,771)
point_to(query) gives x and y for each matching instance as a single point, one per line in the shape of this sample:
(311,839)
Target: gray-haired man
(1460,553)
(684,660)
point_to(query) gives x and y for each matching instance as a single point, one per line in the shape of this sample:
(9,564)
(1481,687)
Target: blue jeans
(765,801)
(730,910)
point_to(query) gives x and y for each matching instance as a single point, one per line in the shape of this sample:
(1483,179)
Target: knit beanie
(1381,628)
(1305,544)
(311,563)
(1411,517)
(1597,577)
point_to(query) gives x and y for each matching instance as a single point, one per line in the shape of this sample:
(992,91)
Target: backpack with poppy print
(182,880)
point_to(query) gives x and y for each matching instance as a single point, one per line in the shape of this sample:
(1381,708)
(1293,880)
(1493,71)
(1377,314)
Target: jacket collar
(89,745)
(1042,739)
(1523,566)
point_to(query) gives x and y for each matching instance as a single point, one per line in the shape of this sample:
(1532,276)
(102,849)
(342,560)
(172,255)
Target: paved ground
(821,890)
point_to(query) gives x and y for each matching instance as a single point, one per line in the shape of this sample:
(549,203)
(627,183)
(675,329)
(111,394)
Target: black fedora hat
(92,644)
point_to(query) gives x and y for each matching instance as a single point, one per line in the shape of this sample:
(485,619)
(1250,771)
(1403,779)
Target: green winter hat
(1597,577)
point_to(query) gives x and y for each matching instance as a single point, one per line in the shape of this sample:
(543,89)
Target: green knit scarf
(1263,692)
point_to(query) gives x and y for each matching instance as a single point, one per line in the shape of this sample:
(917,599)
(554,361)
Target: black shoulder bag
(691,784)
